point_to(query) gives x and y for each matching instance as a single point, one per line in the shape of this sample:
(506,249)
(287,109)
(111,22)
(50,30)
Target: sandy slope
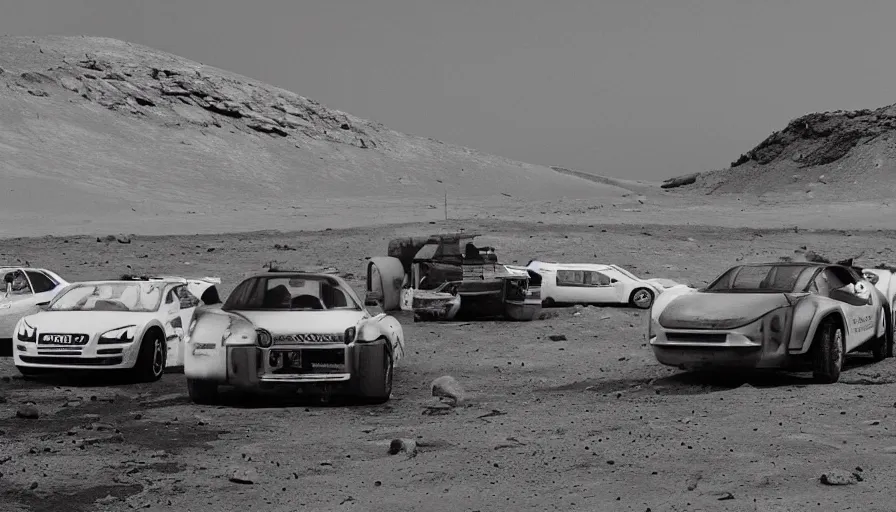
(94,129)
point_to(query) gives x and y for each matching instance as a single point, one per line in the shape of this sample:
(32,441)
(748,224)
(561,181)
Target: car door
(860,310)
(174,328)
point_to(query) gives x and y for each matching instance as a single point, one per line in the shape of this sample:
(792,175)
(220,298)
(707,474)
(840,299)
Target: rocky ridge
(844,148)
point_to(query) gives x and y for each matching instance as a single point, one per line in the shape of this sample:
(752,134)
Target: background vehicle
(302,331)
(590,283)
(23,290)
(446,276)
(773,315)
(109,325)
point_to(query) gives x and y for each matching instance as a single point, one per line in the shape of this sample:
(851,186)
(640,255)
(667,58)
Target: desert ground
(589,422)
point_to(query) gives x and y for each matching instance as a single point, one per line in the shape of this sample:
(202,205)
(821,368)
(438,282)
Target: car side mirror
(8,278)
(614,280)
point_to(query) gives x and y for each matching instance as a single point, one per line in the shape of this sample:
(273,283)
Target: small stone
(557,337)
(28,412)
(408,446)
(839,477)
(447,387)
(244,476)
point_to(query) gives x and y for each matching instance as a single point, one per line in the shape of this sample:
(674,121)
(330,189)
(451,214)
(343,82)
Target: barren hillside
(826,156)
(100,132)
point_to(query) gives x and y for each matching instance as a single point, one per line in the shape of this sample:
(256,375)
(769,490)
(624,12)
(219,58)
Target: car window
(40,282)
(186,298)
(170,296)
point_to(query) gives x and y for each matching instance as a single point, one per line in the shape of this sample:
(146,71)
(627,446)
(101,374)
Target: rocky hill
(95,129)
(829,156)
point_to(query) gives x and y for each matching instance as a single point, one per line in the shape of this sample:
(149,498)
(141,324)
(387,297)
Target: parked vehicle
(438,279)
(773,316)
(24,290)
(591,283)
(302,331)
(129,324)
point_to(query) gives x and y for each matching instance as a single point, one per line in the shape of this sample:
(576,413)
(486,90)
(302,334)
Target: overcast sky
(643,89)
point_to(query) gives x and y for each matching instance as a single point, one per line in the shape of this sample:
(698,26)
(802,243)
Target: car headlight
(120,335)
(350,335)
(264,338)
(26,332)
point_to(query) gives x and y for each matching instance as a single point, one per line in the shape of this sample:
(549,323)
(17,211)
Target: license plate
(63,339)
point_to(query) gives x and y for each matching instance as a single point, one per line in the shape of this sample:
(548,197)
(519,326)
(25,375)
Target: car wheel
(641,298)
(202,392)
(548,303)
(882,346)
(829,353)
(150,364)
(386,389)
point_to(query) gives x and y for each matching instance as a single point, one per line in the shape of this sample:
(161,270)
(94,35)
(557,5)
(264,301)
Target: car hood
(304,322)
(85,322)
(719,310)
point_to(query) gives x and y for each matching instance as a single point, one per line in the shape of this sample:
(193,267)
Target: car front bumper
(84,357)
(318,365)
(697,350)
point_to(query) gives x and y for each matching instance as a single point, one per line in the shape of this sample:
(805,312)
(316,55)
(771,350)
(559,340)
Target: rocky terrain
(823,156)
(100,132)
(569,412)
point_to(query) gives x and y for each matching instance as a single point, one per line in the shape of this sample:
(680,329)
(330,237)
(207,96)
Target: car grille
(697,337)
(74,361)
(310,360)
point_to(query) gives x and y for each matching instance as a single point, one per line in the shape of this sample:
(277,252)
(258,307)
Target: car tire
(828,352)
(150,365)
(202,392)
(548,303)
(641,298)
(882,346)
(385,391)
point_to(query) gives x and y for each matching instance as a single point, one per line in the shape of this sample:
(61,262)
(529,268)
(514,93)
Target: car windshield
(763,278)
(291,293)
(131,296)
(20,285)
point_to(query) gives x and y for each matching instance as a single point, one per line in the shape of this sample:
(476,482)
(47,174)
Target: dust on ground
(590,422)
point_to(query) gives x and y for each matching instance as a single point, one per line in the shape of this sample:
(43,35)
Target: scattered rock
(839,477)
(268,128)
(557,337)
(447,387)
(123,239)
(28,412)
(38,93)
(408,446)
(680,181)
(246,476)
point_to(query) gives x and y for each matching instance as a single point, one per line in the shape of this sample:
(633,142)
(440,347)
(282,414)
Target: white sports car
(133,323)
(293,330)
(589,283)
(24,290)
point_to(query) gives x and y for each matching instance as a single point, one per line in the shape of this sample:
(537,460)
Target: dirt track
(588,423)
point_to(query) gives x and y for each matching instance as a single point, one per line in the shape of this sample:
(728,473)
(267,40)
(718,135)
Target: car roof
(130,281)
(292,273)
(791,264)
(570,266)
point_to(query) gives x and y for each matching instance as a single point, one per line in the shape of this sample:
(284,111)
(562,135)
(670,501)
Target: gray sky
(643,89)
